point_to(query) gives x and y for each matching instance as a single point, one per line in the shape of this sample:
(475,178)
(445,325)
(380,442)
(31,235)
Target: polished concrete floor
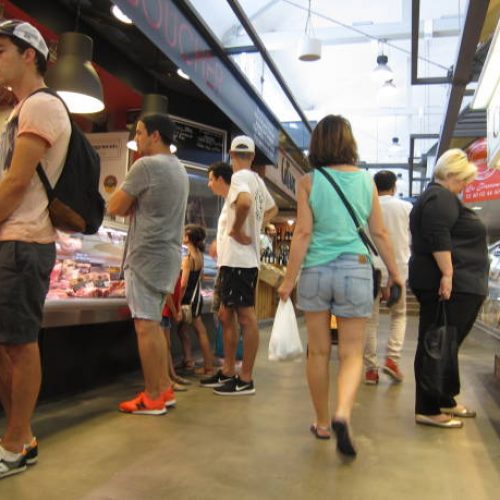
(259,447)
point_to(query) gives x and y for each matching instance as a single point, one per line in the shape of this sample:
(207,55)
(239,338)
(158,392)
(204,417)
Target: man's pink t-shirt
(45,116)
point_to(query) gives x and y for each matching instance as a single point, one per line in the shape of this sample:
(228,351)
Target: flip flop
(315,428)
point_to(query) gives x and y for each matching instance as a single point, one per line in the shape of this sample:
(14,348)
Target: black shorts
(237,286)
(24,281)
(216,295)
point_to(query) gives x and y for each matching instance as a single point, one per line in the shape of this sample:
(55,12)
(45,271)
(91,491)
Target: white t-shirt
(396,215)
(232,253)
(221,229)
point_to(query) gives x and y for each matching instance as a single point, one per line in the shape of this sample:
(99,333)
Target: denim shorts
(143,302)
(343,286)
(166,322)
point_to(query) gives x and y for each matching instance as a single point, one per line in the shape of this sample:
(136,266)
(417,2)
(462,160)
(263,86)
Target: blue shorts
(343,286)
(166,322)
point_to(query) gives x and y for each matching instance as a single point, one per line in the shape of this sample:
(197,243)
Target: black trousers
(461,311)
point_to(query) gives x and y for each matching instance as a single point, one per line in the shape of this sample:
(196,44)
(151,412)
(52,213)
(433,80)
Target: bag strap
(359,229)
(441,313)
(39,169)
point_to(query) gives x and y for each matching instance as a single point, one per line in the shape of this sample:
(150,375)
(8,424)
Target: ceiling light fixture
(309,48)
(182,74)
(388,89)
(151,103)
(382,72)
(118,13)
(489,78)
(395,147)
(73,76)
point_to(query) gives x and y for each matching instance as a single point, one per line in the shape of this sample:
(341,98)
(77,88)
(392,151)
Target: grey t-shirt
(161,185)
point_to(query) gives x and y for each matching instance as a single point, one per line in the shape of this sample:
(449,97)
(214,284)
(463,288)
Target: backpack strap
(39,169)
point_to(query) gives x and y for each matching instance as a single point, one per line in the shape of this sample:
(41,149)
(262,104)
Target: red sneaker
(371,377)
(392,369)
(169,397)
(143,405)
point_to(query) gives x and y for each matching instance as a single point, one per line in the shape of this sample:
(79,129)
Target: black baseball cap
(14,28)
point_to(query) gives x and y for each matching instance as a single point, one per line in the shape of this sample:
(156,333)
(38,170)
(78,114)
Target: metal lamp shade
(154,103)
(309,49)
(73,76)
(151,103)
(382,72)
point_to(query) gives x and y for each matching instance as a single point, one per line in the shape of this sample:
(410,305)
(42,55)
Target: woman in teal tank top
(336,275)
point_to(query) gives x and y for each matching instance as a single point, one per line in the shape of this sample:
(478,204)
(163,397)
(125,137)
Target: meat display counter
(85,286)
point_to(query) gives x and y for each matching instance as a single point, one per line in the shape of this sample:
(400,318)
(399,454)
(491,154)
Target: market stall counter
(87,336)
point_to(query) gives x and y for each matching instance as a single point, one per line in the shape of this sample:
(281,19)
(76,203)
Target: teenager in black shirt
(449,262)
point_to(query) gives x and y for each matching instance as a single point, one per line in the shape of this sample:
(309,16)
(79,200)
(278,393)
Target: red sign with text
(486,186)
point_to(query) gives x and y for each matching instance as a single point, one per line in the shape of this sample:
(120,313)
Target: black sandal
(344,443)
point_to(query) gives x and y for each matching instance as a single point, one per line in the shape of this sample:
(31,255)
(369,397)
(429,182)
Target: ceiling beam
(411,157)
(473,24)
(242,17)
(415,35)
(237,41)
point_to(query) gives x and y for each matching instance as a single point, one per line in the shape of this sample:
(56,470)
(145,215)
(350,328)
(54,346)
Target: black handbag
(439,371)
(377,273)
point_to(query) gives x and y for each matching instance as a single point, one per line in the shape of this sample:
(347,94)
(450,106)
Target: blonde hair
(454,162)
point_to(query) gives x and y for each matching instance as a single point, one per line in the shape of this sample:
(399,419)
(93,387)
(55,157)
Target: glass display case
(85,284)
(490,311)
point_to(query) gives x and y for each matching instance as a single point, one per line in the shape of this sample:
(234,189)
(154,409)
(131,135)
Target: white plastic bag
(285,344)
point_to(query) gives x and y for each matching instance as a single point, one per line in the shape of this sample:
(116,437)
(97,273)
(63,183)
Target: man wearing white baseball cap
(37,132)
(249,206)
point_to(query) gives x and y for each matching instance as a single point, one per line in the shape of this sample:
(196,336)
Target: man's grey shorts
(24,281)
(143,302)
(343,286)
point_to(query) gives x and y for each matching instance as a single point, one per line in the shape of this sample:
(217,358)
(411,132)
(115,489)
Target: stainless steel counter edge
(67,312)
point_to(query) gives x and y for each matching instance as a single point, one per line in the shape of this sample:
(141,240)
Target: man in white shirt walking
(249,206)
(396,215)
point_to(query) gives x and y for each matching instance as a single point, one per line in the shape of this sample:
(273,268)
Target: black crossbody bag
(377,273)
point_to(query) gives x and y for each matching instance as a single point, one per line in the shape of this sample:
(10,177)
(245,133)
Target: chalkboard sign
(198,143)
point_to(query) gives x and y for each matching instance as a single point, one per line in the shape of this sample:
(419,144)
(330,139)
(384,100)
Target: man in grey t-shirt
(154,194)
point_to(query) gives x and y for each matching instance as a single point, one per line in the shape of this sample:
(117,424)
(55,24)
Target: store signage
(198,143)
(167,27)
(285,174)
(112,149)
(493,130)
(486,186)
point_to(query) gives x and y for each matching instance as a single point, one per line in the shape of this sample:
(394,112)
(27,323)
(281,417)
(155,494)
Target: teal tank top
(334,232)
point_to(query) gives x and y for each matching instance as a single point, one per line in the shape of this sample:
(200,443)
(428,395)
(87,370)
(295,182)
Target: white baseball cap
(242,144)
(26,32)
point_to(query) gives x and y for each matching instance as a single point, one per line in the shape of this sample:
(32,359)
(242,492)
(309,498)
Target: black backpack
(75,204)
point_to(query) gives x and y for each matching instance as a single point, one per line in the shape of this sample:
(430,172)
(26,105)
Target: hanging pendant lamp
(395,147)
(382,72)
(387,90)
(309,47)
(73,76)
(151,103)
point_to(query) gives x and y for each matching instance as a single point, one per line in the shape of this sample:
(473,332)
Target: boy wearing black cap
(37,132)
